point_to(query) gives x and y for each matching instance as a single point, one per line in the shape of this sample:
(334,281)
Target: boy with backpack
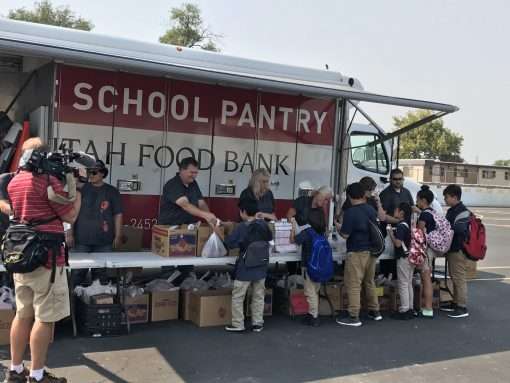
(459,217)
(360,264)
(252,238)
(309,239)
(400,235)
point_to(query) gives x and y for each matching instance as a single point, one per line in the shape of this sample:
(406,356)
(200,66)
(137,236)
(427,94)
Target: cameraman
(39,301)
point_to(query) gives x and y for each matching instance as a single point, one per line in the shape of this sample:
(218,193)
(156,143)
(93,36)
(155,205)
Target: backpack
(440,239)
(320,266)
(377,243)
(256,244)
(418,250)
(24,249)
(475,245)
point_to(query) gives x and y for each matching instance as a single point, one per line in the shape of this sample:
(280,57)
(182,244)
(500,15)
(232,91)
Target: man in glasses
(391,198)
(395,194)
(99,224)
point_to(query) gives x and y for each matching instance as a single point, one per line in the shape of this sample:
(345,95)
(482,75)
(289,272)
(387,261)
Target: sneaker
(14,377)
(48,378)
(257,328)
(460,312)
(448,307)
(427,313)
(349,321)
(234,329)
(375,315)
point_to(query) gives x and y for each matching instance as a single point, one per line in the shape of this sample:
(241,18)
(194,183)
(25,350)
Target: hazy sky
(450,51)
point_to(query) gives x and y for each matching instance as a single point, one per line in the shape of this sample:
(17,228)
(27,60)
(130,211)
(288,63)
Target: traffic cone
(25,135)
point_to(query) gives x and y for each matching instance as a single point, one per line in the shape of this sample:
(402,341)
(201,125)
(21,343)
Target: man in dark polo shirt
(395,194)
(182,201)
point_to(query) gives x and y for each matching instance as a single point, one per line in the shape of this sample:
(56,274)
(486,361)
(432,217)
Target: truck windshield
(372,158)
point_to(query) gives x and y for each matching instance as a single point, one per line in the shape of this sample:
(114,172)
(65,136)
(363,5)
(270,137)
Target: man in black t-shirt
(98,227)
(182,201)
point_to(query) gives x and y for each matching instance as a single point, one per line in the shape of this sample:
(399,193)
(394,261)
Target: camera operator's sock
(18,368)
(37,374)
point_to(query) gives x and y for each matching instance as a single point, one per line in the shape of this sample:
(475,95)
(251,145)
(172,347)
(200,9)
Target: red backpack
(475,245)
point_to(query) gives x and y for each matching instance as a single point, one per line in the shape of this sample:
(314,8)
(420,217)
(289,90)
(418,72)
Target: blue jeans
(80,276)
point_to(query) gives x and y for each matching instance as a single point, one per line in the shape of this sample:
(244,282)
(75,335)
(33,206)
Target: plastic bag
(6,298)
(214,247)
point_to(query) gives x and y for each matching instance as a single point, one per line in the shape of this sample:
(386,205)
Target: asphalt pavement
(476,349)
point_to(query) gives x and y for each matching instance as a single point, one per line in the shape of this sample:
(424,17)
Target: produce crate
(99,320)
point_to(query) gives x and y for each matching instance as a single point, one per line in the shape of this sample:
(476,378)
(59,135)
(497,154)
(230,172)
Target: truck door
(365,159)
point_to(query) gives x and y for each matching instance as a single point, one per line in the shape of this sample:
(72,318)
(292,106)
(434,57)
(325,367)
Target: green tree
(188,29)
(502,163)
(45,13)
(431,141)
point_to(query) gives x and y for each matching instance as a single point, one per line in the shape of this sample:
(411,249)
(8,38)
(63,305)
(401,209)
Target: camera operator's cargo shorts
(37,297)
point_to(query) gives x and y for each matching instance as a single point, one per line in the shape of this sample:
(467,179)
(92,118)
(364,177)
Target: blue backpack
(320,266)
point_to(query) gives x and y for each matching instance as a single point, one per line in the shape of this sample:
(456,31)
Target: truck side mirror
(384,179)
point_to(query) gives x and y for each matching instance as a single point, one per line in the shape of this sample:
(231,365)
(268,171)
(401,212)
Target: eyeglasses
(92,172)
(398,179)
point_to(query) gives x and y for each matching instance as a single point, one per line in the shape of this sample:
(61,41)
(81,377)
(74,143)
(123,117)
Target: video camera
(57,163)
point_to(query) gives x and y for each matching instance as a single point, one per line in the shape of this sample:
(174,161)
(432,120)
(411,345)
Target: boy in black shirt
(252,231)
(359,264)
(304,238)
(458,216)
(401,238)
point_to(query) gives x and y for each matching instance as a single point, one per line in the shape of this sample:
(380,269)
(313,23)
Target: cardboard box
(132,239)
(137,309)
(440,292)
(268,302)
(184,304)
(203,234)
(164,305)
(6,318)
(334,293)
(174,242)
(211,307)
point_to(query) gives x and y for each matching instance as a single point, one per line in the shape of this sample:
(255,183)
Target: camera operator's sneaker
(48,378)
(14,377)
(459,312)
(375,315)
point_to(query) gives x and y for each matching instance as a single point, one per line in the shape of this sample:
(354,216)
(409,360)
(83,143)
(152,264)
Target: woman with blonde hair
(258,190)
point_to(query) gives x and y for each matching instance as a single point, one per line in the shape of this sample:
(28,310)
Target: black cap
(100,165)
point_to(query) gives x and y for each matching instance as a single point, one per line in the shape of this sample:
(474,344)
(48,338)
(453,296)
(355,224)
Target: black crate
(99,320)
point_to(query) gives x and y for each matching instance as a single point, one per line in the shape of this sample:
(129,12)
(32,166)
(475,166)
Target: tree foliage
(502,163)
(188,29)
(45,13)
(430,141)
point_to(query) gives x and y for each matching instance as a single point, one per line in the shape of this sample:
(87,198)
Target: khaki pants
(405,271)
(457,265)
(359,272)
(257,302)
(312,295)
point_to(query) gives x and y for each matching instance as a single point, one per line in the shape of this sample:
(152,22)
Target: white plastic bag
(214,247)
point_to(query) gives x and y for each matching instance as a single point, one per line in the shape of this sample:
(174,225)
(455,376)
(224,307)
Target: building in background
(437,172)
